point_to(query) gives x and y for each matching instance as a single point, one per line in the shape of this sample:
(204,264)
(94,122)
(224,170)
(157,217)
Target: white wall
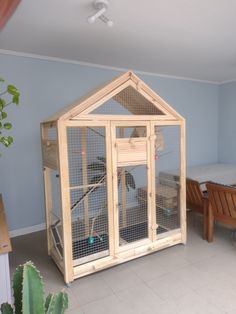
(46,87)
(227,123)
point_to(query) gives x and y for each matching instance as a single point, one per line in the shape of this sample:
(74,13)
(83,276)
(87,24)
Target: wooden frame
(119,152)
(222,206)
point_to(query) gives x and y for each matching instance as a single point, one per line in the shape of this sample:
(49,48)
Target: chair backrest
(222,200)
(194,196)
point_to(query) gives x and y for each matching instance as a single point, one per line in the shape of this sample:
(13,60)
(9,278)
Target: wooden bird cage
(105,200)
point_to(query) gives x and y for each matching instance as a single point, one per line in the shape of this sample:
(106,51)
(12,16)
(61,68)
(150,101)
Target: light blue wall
(46,87)
(227,123)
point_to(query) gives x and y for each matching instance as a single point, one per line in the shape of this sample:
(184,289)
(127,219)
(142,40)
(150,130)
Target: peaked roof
(112,89)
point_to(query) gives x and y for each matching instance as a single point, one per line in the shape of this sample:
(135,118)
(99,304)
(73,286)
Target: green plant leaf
(10,139)
(47,302)
(11,89)
(58,303)
(32,295)
(17,289)
(0,126)
(6,140)
(102,159)
(2,104)
(3,115)
(15,99)
(6,308)
(1,79)
(7,125)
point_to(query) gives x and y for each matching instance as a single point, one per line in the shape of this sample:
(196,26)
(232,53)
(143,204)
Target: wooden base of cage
(146,247)
(83,265)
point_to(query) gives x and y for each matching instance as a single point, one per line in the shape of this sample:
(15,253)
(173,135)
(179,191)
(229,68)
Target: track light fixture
(101,7)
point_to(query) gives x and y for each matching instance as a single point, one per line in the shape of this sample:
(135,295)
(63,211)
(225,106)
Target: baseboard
(27,230)
(35,228)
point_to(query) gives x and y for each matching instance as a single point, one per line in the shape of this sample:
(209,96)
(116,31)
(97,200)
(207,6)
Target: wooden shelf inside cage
(166,198)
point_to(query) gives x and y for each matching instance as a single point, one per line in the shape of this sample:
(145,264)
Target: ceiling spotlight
(101,7)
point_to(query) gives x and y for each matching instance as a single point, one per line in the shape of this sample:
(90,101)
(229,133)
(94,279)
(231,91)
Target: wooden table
(5,248)
(218,172)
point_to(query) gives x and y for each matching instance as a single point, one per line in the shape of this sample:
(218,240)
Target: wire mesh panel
(167,183)
(128,102)
(133,215)
(88,193)
(55,220)
(131,132)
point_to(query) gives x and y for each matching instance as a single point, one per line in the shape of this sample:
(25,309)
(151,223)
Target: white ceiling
(184,38)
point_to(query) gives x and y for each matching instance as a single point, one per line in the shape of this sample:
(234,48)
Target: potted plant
(9,95)
(29,295)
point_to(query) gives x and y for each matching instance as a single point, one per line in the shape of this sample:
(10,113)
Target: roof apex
(106,91)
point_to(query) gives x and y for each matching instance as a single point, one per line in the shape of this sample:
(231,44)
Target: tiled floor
(196,278)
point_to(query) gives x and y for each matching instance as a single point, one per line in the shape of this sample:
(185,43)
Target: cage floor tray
(137,232)
(83,248)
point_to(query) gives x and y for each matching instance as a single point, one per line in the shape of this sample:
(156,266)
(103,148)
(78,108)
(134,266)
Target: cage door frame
(182,173)
(115,165)
(106,126)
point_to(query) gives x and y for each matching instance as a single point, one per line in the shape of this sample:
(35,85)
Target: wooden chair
(222,206)
(197,201)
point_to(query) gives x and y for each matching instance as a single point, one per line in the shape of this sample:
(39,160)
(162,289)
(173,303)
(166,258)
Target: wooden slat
(162,104)
(65,202)
(151,197)
(5,243)
(222,206)
(182,167)
(104,117)
(47,189)
(217,202)
(83,141)
(115,188)
(123,188)
(132,150)
(234,204)
(50,154)
(173,238)
(112,232)
(90,98)
(224,203)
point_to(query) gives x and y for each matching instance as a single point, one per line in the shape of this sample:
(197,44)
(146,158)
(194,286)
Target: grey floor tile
(90,288)
(194,304)
(220,294)
(194,278)
(139,299)
(148,268)
(108,305)
(169,287)
(120,277)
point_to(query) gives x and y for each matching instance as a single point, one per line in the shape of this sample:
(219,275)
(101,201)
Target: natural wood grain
(196,201)
(5,243)
(222,206)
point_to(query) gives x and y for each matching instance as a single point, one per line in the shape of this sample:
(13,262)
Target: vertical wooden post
(47,192)
(123,188)
(115,187)
(109,182)
(152,182)
(83,139)
(65,201)
(183,182)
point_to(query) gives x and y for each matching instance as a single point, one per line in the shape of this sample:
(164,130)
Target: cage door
(131,168)
(88,178)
